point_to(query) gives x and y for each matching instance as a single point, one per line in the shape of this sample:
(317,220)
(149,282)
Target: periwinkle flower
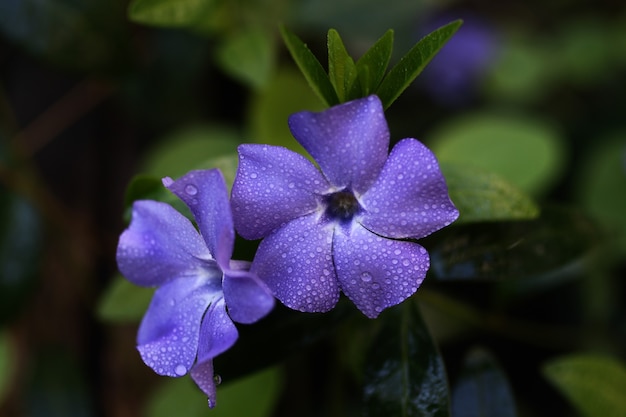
(200,290)
(342,227)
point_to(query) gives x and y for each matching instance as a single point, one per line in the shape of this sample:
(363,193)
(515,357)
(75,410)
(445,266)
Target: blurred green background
(94,92)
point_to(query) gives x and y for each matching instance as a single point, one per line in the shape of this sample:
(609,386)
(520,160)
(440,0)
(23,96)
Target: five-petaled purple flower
(201,291)
(343,227)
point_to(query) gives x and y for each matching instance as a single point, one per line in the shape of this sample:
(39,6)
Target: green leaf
(526,253)
(341,69)
(526,152)
(170,13)
(482,389)
(123,302)
(602,181)
(248,56)
(269,109)
(593,384)
(372,65)
(311,68)
(485,196)
(411,64)
(404,373)
(21,241)
(8,360)
(181,397)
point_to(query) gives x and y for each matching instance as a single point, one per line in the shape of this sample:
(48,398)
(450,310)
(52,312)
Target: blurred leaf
(248,56)
(525,152)
(181,397)
(57,387)
(517,250)
(372,65)
(484,196)
(21,241)
(404,373)
(170,13)
(86,36)
(482,389)
(189,148)
(311,68)
(602,185)
(7,364)
(341,69)
(411,64)
(123,301)
(593,384)
(178,397)
(286,93)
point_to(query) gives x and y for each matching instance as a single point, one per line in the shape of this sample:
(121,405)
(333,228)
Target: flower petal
(159,245)
(217,333)
(273,186)
(410,198)
(205,193)
(247,297)
(202,374)
(168,335)
(350,141)
(376,273)
(296,264)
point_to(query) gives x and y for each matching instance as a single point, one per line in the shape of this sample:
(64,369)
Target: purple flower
(342,228)
(200,290)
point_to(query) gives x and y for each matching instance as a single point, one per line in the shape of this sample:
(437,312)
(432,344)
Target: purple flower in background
(455,73)
(339,229)
(200,290)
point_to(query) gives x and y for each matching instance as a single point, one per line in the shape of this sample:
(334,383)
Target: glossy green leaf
(411,64)
(602,186)
(21,240)
(405,374)
(526,152)
(485,196)
(123,301)
(170,13)
(341,68)
(528,251)
(313,71)
(248,56)
(7,364)
(594,384)
(371,67)
(482,389)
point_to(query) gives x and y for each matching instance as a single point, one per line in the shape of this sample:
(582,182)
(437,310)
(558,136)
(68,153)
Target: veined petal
(350,141)
(376,273)
(247,297)
(169,332)
(159,245)
(217,333)
(273,186)
(410,198)
(202,374)
(296,264)
(205,193)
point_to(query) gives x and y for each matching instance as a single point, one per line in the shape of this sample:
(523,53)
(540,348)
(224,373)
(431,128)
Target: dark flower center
(341,205)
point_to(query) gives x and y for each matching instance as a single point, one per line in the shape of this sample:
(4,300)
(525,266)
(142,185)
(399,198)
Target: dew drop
(180,370)
(253,175)
(366,277)
(191,189)
(217,379)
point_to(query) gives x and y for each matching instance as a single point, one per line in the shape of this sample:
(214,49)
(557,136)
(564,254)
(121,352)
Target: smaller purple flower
(201,291)
(342,227)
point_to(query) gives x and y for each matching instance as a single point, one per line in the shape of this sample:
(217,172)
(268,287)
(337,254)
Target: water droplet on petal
(366,276)
(180,370)
(253,175)
(191,189)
